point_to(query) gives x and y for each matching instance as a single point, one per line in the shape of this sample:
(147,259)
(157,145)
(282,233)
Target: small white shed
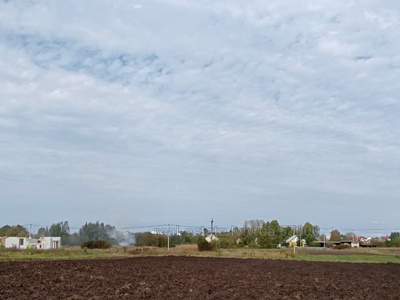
(44,242)
(16,242)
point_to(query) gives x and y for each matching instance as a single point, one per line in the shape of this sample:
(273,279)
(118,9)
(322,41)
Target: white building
(292,241)
(211,238)
(44,242)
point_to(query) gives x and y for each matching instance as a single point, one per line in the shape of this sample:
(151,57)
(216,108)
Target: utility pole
(168,238)
(212,226)
(30,231)
(300,231)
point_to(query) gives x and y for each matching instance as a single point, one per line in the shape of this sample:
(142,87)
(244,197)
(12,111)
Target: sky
(136,113)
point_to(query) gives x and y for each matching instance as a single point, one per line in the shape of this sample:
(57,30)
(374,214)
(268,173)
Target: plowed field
(196,278)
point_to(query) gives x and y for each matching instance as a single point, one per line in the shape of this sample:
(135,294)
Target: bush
(314,244)
(378,243)
(342,246)
(224,244)
(203,245)
(97,244)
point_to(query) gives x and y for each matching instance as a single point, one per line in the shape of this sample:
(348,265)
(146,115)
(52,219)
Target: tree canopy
(17,230)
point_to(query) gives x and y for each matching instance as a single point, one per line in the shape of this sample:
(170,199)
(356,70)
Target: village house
(293,240)
(44,242)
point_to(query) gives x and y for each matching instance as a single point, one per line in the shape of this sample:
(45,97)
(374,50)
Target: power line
(186,226)
(362,229)
(141,227)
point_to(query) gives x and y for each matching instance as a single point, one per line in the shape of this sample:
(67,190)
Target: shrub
(203,245)
(96,244)
(314,244)
(378,243)
(342,246)
(224,244)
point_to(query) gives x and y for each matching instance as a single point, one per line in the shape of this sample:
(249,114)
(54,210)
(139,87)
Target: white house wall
(44,243)
(14,242)
(49,243)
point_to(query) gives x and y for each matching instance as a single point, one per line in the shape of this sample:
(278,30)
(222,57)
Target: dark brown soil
(196,278)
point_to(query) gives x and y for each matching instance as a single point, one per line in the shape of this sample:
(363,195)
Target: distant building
(364,241)
(292,241)
(385,238)
(211,238)
(43,242)
(328,243)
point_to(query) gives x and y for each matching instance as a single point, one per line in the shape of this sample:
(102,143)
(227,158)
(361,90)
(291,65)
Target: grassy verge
(363,258)
(64,253)
(355,255)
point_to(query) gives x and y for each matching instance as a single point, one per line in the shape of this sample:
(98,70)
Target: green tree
(335,235)
(145,239)
(394,240)
(42,232)
(60,229)
(74,239)
(150,239)
(227,239)
(17,230)
(394,236)
(4,230)
(248,237)
(204,245)
(376,242)
(176,239)
(351,236)
(96,231)
(271,235)
(309,233)
(188,237)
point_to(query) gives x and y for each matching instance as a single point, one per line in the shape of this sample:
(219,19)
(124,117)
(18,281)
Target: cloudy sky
(179,111)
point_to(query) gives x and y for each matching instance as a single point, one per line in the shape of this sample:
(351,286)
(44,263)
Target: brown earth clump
(196,278)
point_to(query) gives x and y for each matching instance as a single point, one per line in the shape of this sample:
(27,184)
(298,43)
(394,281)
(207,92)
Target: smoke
(122,238)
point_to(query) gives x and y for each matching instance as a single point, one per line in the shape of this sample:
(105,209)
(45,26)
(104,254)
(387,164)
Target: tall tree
(309,233)
(271,235)
(60,229)
(394,239)
(42,232)
(17,230)
(150,239)
(96,231)
(335,235)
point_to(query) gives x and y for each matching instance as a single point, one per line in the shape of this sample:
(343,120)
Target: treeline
(253,233)
(260,234)
(89,231)
(17,230)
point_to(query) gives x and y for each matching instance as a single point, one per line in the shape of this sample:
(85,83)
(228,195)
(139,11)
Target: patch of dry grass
(352,255)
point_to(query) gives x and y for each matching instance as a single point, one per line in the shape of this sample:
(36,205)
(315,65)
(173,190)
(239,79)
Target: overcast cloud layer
(176,111)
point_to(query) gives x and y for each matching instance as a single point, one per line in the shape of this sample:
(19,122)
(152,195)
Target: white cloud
(198,104)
